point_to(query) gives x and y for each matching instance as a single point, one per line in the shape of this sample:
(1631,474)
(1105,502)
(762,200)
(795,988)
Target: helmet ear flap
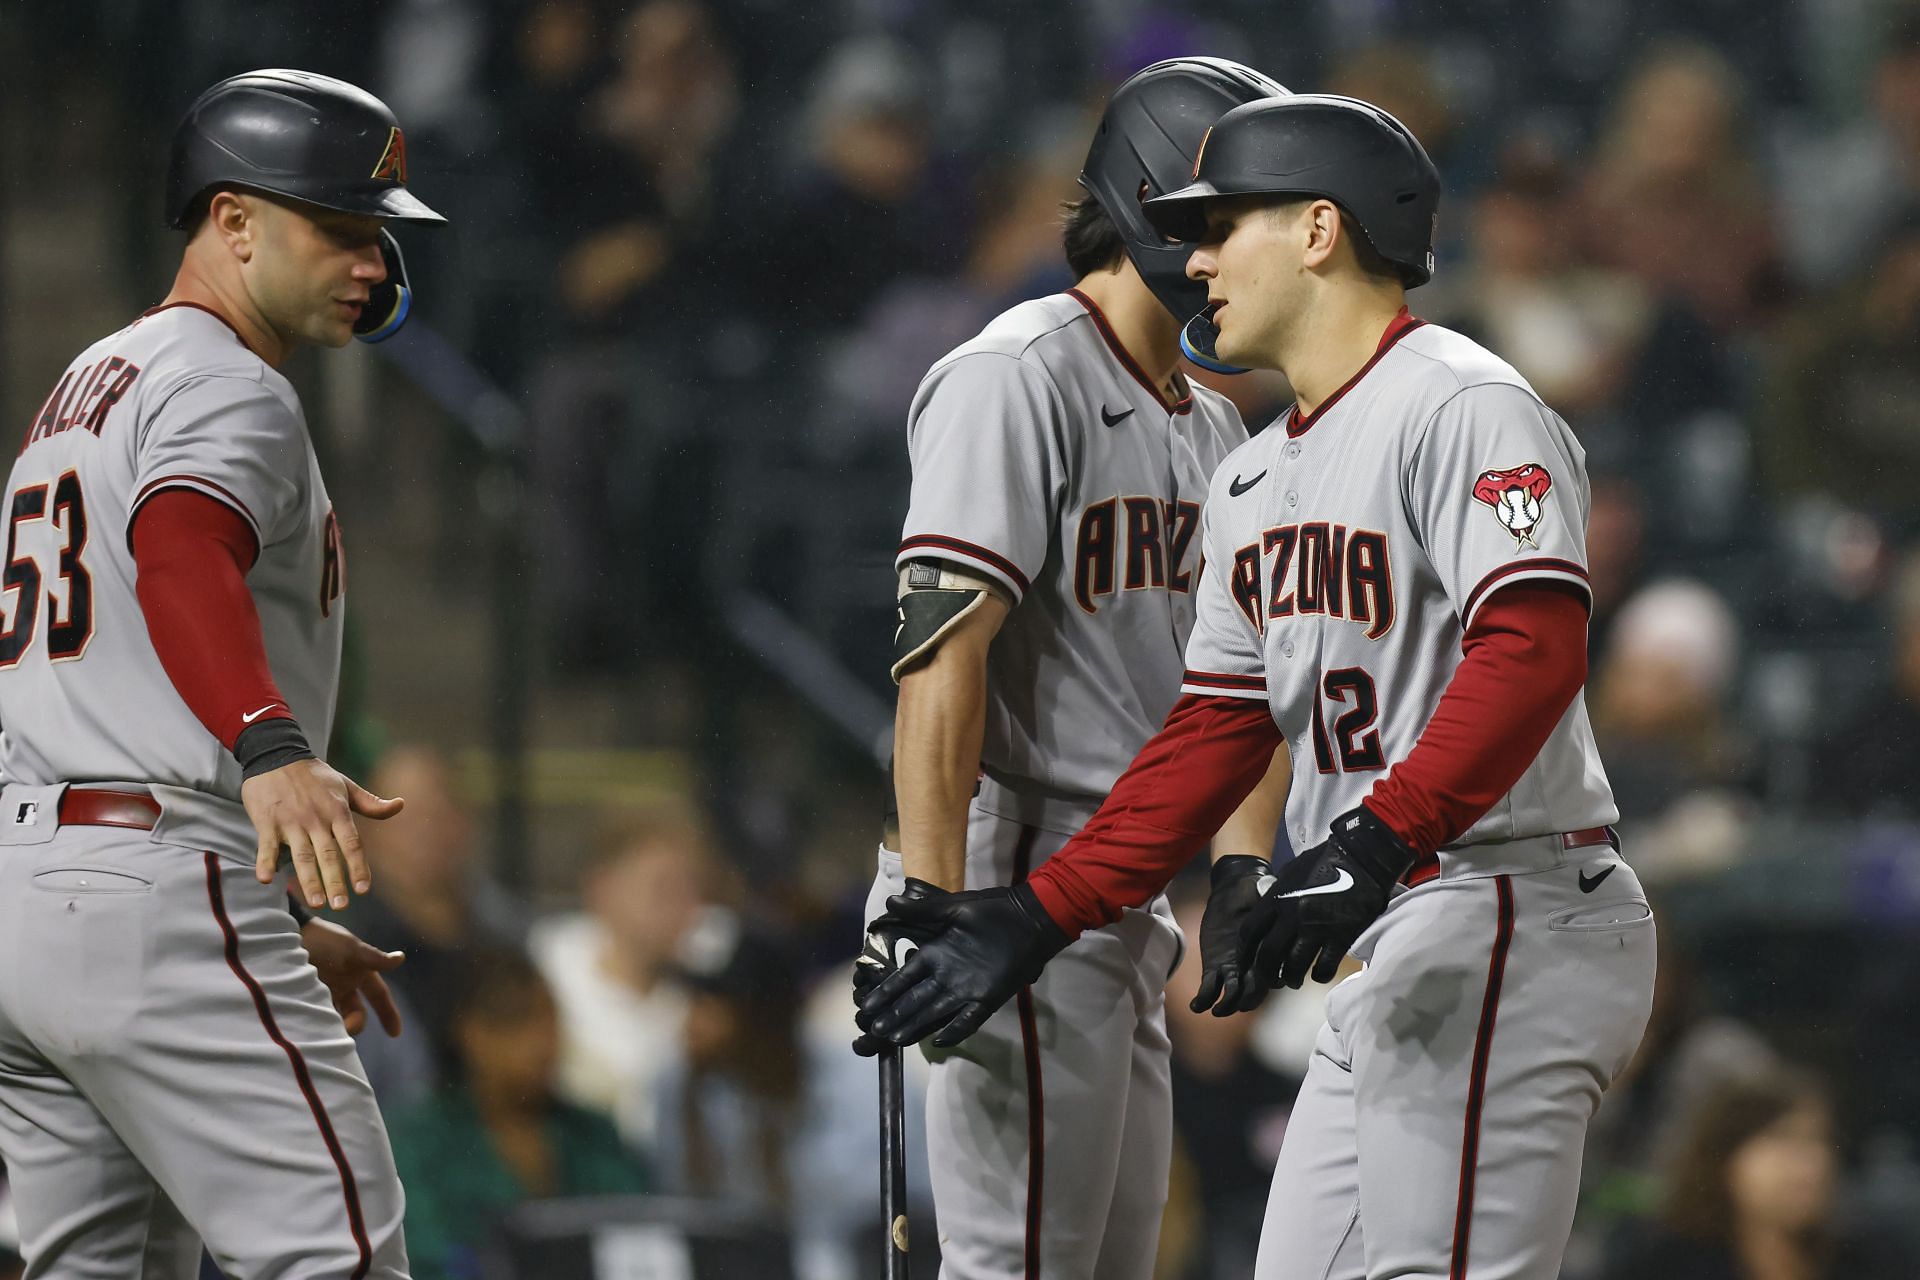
(390,301)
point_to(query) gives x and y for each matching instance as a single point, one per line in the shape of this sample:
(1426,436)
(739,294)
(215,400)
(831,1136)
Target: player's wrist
(267,745)
(1238,866)
(1367,840)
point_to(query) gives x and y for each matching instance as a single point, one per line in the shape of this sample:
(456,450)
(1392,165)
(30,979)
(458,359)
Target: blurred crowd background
(621,504)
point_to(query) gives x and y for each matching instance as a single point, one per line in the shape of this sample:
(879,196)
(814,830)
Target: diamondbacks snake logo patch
(1518,497)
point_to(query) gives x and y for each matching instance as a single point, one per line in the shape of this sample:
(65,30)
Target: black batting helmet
(295,134)
(1340,149)
(1145,146)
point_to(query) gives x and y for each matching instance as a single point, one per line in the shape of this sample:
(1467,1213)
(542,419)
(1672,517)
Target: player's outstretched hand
(974,951)
(1321,902)
(1225,987)
(351,970)
(308,807)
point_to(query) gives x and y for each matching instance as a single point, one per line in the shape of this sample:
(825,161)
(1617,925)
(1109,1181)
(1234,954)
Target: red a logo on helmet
(393,161)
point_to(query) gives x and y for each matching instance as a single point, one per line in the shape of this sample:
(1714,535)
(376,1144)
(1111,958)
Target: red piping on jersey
(356,1222)
(1537,564)
(193,484)
(1477,1083)
(1397,328)
(1222,680)
(941,542)
(1183,405)
(1036,1095)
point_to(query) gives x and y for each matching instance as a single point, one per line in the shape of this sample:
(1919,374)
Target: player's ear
(1320,225)
(234,219)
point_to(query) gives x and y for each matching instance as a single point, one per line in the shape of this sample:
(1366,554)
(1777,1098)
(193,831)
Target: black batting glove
(886,947)
(1320,903)
(1224,987)
(975,951)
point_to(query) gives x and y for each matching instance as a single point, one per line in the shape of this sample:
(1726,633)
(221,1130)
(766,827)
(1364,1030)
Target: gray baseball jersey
(174,400)
(172,1070)
(1440,1127)
(1044,457)
(1348,552)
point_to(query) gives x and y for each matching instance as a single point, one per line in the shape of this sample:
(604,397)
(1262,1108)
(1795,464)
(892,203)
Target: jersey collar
(1183,405)
(1399,327)
(197,306)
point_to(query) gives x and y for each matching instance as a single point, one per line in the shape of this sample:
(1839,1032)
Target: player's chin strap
(1197,341)
(389,301)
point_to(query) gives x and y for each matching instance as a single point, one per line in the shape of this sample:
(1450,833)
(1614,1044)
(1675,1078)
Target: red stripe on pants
(1036,1098)
(355,1222)
(1477,1086)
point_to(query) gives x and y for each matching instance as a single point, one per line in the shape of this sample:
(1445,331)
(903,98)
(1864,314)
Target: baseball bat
(893,1164)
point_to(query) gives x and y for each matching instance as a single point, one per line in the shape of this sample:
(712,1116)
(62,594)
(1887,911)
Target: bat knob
(900,1233)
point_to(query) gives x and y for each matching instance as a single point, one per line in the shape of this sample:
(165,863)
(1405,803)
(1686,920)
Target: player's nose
(370,265)
(1201,266)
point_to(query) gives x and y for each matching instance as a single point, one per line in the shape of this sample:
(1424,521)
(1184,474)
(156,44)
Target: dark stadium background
(620,509)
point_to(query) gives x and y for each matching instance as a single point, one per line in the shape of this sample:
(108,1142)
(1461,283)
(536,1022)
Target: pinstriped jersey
(174,400)
(1044,457)
(1348,552)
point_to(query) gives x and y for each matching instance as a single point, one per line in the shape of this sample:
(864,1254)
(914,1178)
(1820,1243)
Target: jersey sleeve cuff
(199,484)
(1536,569)
(972,554)
(1220,684)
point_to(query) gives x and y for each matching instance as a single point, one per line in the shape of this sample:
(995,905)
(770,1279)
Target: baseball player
(1396,589)
(172,1069)
(1046,579)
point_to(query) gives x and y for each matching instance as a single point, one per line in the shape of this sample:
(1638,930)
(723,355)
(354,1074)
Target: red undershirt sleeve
(1183,785)
(1524,662)
(192,554)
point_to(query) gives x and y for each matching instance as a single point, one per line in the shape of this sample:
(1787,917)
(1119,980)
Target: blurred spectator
(610,964)
(1616,551)
(431,900)
(867,206)
(1753,1195)
(1839,416)
(1869,765)
(1674,197)
(1229,1112)
(499,1137)
(760,1107)
(1661,698)
(1842,192)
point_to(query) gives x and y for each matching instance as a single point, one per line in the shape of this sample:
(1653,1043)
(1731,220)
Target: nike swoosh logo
(1342,882)
(1239,486)
(1588,886)
(876,953)
(1114,419)
(251,716)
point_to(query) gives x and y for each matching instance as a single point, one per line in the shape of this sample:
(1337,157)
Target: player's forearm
(939,724)
(1525,661)
(191,554)
(1208,757)
(1252,828)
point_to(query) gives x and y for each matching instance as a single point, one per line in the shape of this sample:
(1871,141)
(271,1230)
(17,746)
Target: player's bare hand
(351,970)
(308,808)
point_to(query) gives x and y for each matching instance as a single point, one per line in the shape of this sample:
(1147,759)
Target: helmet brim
(399,204)
(1181,215)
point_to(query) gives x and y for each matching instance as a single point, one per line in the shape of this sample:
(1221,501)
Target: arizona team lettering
(1315,568)
(1134,543)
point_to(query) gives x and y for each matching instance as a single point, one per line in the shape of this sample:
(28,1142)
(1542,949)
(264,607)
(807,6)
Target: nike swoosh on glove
(884,949)
(1320,903)
(1238,881)
(976,949)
